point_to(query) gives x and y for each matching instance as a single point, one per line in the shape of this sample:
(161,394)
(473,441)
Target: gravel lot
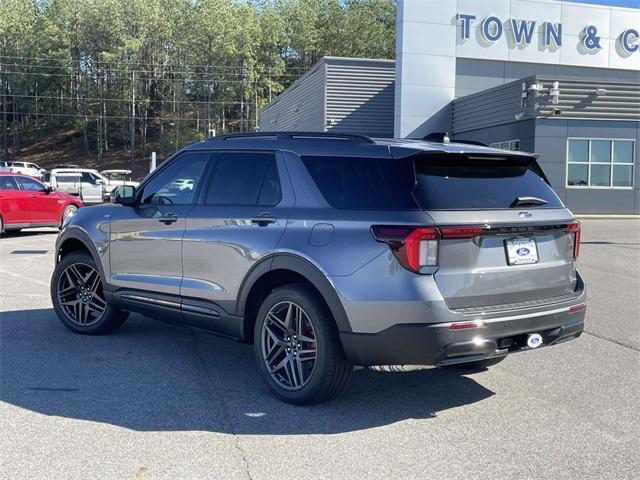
(156,400)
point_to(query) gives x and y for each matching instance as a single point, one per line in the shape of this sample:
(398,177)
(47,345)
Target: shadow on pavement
(152,376)
(29,233)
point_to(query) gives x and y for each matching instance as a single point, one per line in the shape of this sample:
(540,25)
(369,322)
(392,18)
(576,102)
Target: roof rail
(349,137)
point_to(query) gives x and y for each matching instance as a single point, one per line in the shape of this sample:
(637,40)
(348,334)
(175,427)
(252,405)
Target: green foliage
(133,72)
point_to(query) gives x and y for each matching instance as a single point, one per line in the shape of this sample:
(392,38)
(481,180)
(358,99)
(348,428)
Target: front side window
(30,184)
(88,177)
(244,179)
(177,183)
(600,163)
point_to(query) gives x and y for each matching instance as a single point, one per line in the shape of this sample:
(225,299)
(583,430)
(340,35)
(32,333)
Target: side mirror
(123,195)
(48,190)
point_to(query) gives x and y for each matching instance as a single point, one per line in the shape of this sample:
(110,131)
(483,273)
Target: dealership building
(555,77)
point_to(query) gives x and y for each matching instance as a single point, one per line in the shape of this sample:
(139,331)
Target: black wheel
(480,364)
(78,297)
(297,347)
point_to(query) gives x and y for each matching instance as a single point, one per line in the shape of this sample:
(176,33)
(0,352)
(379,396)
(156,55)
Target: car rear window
(355,183)
(459,182)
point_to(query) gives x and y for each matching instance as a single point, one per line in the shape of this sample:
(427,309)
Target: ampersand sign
(591,39)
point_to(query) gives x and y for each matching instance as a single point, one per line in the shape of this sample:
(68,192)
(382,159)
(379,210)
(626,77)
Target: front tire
(297,347)
(78,297)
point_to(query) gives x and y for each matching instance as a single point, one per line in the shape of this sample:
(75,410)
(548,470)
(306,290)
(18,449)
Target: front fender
(97,247)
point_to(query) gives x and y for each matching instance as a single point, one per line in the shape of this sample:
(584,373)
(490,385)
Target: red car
(26,203)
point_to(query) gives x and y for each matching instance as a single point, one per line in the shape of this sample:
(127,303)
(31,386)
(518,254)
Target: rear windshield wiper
(524,201)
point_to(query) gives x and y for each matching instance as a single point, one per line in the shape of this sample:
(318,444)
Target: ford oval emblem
(525,214)
(534,340)
(523,252)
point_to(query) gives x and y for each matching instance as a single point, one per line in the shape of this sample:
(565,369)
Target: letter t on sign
(465,24)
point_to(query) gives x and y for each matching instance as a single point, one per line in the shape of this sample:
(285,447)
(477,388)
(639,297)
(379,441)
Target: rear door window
(244,179)
(7,182)
(355,183)
(457,182)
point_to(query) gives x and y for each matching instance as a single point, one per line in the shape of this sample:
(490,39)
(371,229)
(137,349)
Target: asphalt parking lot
(156,400)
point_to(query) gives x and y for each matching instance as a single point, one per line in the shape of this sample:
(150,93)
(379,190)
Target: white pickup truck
(116,178)
(90,185)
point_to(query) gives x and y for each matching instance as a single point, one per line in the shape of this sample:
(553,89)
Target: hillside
(66,148)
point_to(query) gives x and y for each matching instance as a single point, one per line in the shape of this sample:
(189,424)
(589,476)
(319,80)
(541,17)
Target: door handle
(264,219)
(168,219)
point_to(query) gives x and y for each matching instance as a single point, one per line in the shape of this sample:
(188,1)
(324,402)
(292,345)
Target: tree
(124,74)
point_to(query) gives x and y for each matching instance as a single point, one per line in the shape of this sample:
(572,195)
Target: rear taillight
(461,232)
(574,227)
(466,325)
(415,248)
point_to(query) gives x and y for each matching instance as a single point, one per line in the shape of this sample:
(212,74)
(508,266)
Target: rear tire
(480,364)
(78,297)
(297,347)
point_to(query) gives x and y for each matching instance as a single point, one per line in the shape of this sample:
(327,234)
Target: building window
(600,163)
(513,145)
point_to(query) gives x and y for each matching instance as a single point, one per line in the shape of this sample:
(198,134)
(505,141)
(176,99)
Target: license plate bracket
(521,251)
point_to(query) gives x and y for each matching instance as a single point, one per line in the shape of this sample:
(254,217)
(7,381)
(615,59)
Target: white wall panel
(426,29)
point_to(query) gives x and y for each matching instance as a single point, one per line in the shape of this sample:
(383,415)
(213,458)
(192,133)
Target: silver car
(327,251)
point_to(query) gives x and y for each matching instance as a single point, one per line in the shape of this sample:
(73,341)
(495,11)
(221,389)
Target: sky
(613,3)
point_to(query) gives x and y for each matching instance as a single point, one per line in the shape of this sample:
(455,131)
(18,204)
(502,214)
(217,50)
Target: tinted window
(355,183)
(7,183)
(67,179)
(88,177)
(271,192)
(177,183)
(30,184)
(460,183)
(244,179)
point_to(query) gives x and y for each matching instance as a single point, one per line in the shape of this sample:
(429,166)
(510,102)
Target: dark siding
(360,96)
(300,107)
(337,94)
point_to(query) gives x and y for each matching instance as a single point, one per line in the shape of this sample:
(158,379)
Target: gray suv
(327,251)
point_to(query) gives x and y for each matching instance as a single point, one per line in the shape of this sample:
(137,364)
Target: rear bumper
(437,344)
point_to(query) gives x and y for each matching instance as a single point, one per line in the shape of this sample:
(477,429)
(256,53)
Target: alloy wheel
(289,346)
(80,294)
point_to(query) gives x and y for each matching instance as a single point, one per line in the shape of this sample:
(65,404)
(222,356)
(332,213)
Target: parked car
(115,178)
(85,183)
(328,251)
(25,202)
(26,168)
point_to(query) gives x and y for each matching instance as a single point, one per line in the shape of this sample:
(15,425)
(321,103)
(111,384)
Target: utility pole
(5,125)
(132,123)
